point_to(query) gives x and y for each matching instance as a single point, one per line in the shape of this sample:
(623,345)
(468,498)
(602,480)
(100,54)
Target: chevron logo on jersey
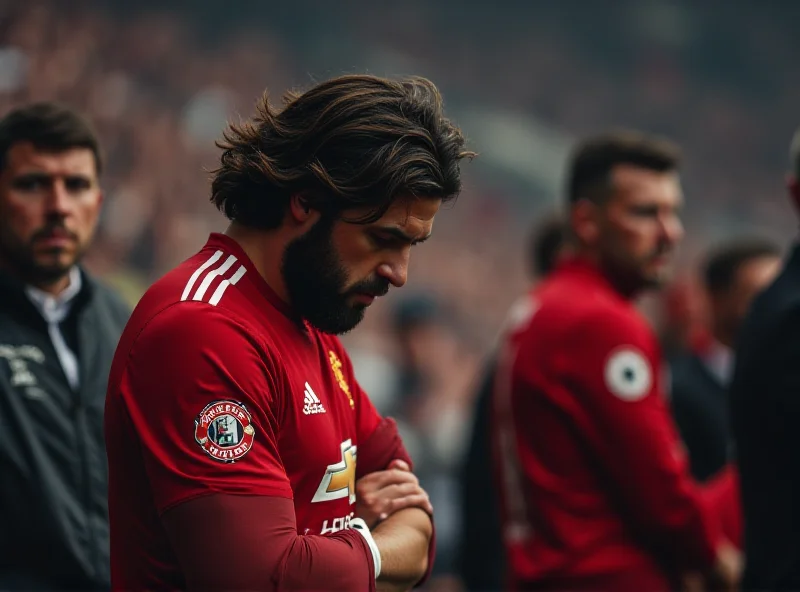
(312,404)
(339,480)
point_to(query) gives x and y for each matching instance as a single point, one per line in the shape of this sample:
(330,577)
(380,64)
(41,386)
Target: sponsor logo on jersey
(336,366)
(224,430)
(337,524)
(340,478)
(311,403)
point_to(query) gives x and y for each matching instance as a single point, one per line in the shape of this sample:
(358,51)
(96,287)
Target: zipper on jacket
(86,485)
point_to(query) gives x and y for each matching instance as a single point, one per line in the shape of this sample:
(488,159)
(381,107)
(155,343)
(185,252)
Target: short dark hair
(594,159)
(545,243)
(795,154)
(49,127)
(349,142)
(724,261)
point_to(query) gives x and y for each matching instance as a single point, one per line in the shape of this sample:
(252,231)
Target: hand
(382,493)
(693,582)
(727,571)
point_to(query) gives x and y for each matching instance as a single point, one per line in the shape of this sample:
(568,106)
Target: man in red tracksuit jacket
(595,489)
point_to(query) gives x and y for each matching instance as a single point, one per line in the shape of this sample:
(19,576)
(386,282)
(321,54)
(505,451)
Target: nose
(58,199)
(671,228)
(396,270)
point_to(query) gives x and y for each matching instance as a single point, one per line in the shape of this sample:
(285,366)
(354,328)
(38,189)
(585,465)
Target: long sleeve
(228,542)
(615,369)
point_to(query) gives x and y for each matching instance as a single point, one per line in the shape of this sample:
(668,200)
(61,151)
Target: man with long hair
(326,199)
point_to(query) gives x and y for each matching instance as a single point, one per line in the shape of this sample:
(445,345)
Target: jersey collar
(218,240)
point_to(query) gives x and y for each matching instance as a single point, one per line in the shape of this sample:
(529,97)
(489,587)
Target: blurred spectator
(548,245)
(59,328)
(734,273)
(684,324)
(430,399)
(481,558)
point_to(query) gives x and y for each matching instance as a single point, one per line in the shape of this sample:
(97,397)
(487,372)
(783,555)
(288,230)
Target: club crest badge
(224,430)
(336,366)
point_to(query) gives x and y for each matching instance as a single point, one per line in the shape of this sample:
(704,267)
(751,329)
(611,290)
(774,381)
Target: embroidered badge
(224,430)
(336,366)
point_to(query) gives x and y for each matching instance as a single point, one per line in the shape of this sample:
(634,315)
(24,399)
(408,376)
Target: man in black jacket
(734,273)
(59,328)
(765,397)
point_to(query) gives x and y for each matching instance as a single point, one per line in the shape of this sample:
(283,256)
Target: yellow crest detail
(336,366)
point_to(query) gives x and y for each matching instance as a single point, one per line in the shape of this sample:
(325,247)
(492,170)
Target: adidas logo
(312,403)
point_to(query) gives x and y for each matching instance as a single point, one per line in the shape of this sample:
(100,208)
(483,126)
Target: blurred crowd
(159,93)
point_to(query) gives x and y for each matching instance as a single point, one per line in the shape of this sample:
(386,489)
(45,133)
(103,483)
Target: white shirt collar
(54,309)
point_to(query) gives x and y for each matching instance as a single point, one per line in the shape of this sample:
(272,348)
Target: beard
(316,282)
(35,266)
(632,275)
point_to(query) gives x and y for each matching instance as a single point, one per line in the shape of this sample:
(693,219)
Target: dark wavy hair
(355,141)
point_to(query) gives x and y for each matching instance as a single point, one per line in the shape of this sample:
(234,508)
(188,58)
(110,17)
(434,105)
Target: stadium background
(521,78)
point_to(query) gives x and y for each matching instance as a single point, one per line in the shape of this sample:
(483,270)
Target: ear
(300,211)
(584,219)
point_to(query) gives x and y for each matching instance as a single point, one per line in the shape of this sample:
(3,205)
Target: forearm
(404,540)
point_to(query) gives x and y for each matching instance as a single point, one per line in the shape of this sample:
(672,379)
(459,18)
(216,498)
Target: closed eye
(394,238)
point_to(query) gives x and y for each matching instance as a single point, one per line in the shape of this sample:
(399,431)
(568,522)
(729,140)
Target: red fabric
(218,548)
(382,447)
(216,388)
(594,479)
(723,497)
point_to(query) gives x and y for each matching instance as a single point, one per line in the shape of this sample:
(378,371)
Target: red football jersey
(596,493)
(217,388)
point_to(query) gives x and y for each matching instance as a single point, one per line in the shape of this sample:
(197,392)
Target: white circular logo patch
(628,374)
